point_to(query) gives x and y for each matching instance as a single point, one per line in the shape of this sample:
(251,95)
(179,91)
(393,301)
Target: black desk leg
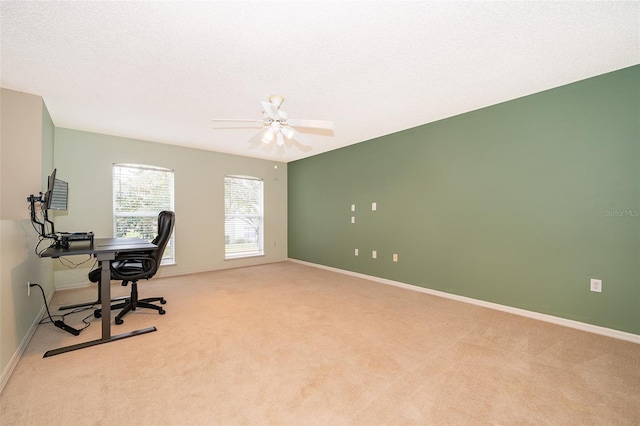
(83,345)
(105,294)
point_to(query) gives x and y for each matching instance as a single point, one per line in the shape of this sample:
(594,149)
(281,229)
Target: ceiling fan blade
(271,110)
(302,139)
(315,124)
(238,120)
(287,131)
(257,138)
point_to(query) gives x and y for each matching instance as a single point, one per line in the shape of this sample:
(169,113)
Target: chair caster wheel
(119,321)
(162,312)
(97,314)
(163,301)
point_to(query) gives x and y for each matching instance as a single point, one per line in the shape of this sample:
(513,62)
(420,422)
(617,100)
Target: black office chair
(134,266)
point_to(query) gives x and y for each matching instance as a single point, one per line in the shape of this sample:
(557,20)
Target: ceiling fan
(278,126)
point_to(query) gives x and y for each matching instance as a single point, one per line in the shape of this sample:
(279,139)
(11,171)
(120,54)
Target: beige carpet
(289,344)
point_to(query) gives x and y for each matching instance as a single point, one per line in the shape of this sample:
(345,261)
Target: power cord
(60,322)
(71,265)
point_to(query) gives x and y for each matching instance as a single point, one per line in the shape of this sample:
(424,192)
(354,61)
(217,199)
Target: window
(243,217)
(140,193)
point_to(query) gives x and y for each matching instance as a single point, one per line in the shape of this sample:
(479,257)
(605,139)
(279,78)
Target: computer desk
(104,249)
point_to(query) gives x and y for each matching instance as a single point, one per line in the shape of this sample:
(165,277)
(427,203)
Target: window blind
(140,193)
(243,205)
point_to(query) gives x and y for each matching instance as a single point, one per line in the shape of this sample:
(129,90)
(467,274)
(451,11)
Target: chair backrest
(124,267)
(166,220)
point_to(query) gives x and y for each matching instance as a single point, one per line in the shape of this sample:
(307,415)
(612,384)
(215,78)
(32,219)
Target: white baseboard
(6,373)
(616,334)
(166,272)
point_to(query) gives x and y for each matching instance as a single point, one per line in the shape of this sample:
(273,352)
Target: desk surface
(100,245)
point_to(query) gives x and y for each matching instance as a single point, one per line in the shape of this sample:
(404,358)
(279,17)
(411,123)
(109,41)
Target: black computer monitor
(56,197)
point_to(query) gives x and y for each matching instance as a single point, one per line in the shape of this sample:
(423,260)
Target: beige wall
(26,147)
(85,159)
(21,136)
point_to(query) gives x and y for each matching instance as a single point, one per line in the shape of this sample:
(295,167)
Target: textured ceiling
(160,71)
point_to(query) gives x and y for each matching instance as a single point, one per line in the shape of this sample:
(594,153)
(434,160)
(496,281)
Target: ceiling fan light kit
(278,125)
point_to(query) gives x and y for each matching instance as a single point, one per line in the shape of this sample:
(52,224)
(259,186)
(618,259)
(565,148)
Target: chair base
(132,303)
(129,306)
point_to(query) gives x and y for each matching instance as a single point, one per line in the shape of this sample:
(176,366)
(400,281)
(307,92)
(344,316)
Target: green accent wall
(519,204)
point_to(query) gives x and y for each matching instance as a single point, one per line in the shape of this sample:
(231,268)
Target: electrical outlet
(28,288)
(374,254)
(596,285)
(355,252)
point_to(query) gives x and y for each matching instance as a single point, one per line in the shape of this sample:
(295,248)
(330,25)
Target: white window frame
(254,248)
(169,257)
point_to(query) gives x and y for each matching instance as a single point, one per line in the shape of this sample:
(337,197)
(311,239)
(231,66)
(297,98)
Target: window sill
(242,255)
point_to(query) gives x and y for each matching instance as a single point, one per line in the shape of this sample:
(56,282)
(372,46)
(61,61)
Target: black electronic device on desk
(64,239)
(55,198)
